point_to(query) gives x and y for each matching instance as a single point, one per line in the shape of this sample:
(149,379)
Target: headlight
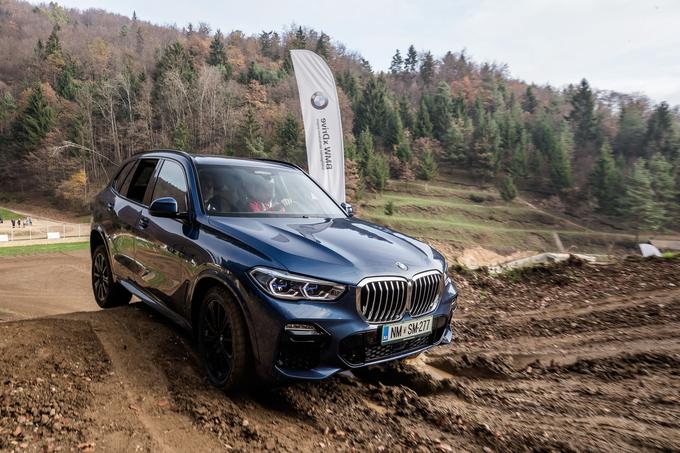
(283,285)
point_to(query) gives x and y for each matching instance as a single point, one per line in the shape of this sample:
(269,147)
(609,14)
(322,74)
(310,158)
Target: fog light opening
(301,329)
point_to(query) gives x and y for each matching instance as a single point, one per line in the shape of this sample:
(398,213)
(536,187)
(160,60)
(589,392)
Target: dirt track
(577,358)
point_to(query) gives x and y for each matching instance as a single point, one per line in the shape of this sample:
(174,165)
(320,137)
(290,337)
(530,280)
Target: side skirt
(156,305)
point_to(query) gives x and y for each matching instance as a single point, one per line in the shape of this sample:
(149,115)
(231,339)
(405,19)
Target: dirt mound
(476,257)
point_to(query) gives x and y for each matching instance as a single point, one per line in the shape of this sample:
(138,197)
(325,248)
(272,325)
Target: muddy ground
(572,358)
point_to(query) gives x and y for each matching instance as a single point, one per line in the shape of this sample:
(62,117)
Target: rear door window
(172,182)
(140,180)
(120,178)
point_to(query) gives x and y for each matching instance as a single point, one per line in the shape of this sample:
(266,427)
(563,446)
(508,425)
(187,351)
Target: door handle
(143,222)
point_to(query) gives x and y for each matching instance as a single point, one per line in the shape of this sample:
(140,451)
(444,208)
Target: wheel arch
(202,286)
(97,239)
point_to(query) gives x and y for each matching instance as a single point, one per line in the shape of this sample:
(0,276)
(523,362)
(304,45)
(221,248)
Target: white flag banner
(321,118)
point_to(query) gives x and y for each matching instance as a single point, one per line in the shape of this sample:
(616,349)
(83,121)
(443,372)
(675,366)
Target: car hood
(345,250)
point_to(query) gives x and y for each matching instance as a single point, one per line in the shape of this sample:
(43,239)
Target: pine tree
(65,85)
(485,145)
(348,82)
(406,114)
(300,39)
(441,111)
(428,166)
(662,136)
(174,58)
(519,164)
(630,138)
(378,171)
(404,152)
(248,133)
(507,188)
(394,130)
(427,68)
(35,121)
(370,109)
(663,182)
(454,143)
(181,138)
(323,46)
(560,160)
(423,126)
(266,43)
(582,115)
(288,138)
(642,211)
(53,45)
(365,151)
(397,63)
(411,59)
(529,102)
(606,181)
(217,56)
(552,142)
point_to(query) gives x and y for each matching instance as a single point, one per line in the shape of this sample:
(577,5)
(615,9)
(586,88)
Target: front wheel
(107,293)
(222,339)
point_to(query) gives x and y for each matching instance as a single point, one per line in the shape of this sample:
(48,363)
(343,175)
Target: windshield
(236,190)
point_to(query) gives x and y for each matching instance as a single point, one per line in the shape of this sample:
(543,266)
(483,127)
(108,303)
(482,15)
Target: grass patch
(42,248)
(8,215)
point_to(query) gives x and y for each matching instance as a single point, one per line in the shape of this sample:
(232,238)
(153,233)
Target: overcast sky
(622,45)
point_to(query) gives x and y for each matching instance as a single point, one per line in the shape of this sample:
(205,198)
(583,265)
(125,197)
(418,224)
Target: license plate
(406,330)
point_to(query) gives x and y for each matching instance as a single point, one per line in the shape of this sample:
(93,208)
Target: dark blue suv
(268,272)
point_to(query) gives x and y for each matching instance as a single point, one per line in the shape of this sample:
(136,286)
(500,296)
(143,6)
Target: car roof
(212,159)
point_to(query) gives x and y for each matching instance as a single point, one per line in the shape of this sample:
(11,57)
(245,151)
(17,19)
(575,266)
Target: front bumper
(324,338)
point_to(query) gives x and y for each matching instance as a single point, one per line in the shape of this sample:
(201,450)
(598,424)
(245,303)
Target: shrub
(389,208)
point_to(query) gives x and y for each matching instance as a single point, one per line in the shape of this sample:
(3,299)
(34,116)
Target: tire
(223,340)
(107,293)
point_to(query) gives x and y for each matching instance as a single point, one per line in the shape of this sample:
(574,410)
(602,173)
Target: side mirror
(164,207)
(347,208)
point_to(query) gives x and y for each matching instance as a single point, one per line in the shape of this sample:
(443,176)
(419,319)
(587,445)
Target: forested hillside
(81,91)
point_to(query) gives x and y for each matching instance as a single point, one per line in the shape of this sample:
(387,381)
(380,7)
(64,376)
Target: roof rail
(174,151)
(276,161)
(190,156)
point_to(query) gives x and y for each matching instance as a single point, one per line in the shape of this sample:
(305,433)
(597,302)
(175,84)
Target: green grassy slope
(7,215)
(465,216)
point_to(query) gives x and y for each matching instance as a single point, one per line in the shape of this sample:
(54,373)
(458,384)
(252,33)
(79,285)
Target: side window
(172,182)
(120,178)
(140,180)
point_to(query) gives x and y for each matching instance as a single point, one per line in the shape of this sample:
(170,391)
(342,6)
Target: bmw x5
(266,270)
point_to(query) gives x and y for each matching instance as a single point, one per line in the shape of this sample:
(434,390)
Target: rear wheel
(222,339)
(107,293)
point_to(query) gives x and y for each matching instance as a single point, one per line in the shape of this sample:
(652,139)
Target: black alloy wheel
(222,339)
(107,293)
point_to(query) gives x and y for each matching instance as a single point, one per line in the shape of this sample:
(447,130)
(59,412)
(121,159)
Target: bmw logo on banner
(319,100)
